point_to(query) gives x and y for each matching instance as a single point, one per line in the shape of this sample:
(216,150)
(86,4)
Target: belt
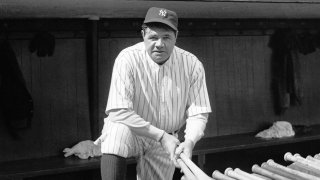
(174,133)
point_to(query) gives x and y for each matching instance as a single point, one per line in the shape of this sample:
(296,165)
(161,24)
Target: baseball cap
(162,15)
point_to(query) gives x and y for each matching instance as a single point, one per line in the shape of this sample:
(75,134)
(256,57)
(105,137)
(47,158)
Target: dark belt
(174,132)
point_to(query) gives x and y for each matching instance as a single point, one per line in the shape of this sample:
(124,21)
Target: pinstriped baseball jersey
(163,95)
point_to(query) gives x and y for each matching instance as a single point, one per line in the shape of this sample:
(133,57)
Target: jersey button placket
(161,95)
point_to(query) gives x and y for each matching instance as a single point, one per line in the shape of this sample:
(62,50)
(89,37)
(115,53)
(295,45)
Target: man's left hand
(185,147)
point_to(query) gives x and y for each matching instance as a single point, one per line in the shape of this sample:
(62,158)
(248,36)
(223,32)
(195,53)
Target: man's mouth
(158,51)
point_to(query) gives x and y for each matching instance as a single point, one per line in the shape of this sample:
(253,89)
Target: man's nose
(159,43)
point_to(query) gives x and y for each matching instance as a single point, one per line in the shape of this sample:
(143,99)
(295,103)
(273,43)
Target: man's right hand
(170,143)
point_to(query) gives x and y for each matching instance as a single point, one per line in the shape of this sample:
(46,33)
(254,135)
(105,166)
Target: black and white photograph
(159,90)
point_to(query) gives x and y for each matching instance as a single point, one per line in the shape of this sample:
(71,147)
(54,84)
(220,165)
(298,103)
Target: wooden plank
(238,83)
(137,9)
(49,166)
(221,81)
(209,65)
(261,94)
(77,123)
(93,76)
(82,100)
(310,86)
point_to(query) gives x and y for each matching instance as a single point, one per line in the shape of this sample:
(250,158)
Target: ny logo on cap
(162,12)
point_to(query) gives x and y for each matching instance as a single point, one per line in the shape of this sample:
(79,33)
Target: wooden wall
(58,85)
(238,71)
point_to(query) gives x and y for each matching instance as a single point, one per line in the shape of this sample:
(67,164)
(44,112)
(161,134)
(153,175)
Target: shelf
(248,141)
(48,166)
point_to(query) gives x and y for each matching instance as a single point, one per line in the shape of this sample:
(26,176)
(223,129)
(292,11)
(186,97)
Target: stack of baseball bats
(190,170)
(301,169)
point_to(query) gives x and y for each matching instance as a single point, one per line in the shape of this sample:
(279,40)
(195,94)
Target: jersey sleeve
(122,84)
(136,124)
(195,127)
(198,99)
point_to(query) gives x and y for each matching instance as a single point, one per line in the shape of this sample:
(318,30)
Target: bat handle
(194,168)
(186,171)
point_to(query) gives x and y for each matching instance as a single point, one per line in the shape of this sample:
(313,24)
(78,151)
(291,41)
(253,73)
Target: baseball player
(156,88)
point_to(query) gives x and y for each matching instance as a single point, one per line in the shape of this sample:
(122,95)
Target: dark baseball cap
(162,15)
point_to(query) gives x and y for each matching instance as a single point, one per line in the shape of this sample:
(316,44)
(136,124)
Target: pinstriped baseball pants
(153,163)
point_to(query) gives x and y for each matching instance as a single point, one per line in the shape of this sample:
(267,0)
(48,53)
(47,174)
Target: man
(155,89)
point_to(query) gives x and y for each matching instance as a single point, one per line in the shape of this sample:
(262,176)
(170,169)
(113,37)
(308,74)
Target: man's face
(159,43)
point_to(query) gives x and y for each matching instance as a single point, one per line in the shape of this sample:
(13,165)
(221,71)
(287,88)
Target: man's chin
(159,60)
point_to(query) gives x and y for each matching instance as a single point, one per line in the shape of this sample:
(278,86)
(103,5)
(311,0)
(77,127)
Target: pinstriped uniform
(162,95)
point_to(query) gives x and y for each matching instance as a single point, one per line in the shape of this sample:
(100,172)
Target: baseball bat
(231,173)
(297,158)
(186,171)
(218,175)
(263,177)
(300,175)
(249,176)
(198,173)
(259,170)
(310,158)
(302,168)
(280,172)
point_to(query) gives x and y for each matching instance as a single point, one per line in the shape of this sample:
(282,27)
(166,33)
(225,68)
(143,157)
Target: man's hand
(186,147)
(83,150)
(185,178)
(170,143)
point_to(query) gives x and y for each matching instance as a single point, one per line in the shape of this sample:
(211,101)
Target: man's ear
(177,34)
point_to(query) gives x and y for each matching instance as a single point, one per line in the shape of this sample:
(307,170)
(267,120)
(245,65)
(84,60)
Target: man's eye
(153,38)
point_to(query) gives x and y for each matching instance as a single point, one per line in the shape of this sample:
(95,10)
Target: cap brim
(162,21)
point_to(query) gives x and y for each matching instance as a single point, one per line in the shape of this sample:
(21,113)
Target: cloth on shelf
(83,150)
(279,129)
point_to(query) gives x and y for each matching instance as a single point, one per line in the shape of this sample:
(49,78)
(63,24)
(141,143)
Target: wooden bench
(17,170)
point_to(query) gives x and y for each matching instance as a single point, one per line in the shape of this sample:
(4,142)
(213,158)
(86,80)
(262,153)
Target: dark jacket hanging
(16,103)
(286,81)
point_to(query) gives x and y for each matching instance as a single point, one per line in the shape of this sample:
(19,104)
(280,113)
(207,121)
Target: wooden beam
(299,9)
(93,76)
